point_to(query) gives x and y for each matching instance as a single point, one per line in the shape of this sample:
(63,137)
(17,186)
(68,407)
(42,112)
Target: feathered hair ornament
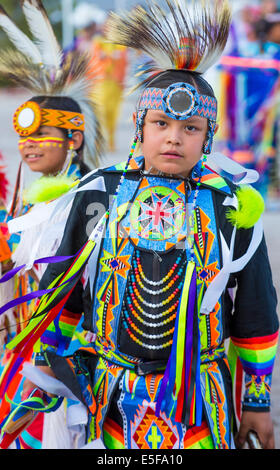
(39,65)
(185,35)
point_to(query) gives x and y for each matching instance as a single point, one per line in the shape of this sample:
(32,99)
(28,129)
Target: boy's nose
(174,136)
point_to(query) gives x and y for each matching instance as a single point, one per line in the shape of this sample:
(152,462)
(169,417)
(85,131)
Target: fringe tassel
(182,375)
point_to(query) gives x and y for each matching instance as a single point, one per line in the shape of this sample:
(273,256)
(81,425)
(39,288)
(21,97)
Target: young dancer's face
(45,150)
(171,146)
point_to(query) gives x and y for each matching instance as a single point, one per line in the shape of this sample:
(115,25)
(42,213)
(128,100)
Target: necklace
(159,291)
(152,336)
(150,315)
(145,345)
(139,272)
(154,325)
(134,292)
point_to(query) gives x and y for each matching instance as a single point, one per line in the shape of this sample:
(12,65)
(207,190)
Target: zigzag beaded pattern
(152,98)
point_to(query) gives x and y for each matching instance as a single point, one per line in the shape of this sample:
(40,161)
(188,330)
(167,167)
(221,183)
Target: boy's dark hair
(60,102)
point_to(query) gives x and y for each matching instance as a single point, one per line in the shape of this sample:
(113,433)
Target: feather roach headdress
(39,65)
(182,35)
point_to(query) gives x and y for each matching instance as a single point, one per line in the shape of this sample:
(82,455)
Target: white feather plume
(43,33)
(20,40)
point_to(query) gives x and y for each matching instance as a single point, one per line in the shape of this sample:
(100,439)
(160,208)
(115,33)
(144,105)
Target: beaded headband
(179,101)
(30,116)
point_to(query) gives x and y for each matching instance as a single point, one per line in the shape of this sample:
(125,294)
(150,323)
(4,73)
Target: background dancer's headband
(30,116)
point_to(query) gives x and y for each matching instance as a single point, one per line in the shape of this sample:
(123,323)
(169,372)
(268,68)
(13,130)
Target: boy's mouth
(172,154)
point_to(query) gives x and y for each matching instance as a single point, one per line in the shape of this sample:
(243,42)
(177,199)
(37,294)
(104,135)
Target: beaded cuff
(257,392)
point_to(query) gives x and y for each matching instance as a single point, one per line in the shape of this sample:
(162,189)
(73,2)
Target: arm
(254,334)
(57,336)
(59,333)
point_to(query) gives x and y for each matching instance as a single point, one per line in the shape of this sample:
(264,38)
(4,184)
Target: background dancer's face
(45,150)
(170,146)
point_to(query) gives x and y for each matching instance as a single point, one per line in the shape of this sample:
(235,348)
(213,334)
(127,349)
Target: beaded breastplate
(156,224)
(142,265)
(156,219)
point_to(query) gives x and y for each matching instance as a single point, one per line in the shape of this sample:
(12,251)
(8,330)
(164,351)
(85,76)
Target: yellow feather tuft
(48,188)
(250,207)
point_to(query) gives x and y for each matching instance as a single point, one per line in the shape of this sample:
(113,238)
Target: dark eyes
(161,123)
(188,128)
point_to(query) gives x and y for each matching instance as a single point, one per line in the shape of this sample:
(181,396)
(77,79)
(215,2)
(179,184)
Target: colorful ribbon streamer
(48,260)
(20,418)
(182,375)
(50,306)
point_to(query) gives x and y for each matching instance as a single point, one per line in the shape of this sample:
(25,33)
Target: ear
(77,139)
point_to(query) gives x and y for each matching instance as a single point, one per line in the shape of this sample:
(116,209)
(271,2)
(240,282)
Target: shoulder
(233,186)
(101,183)
(113,173)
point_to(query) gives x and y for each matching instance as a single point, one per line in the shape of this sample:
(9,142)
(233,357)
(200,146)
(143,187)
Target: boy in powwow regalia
(176,265)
